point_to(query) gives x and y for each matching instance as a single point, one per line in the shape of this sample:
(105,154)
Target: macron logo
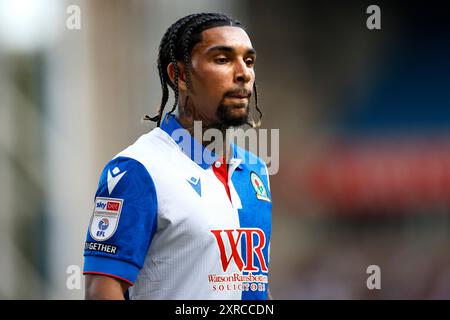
(114,178)
(196,185)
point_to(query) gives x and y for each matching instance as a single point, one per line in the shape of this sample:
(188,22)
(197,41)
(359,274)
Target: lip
(239,100)
(238,97)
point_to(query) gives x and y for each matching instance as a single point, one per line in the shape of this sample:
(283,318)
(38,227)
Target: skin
(100,287)
(222,71)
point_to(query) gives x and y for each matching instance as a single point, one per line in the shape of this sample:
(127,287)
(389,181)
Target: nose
(243,73)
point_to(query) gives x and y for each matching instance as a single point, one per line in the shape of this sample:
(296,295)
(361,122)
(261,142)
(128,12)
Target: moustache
(238,93)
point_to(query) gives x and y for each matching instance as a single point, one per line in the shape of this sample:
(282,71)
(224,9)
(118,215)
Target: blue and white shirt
(164,223)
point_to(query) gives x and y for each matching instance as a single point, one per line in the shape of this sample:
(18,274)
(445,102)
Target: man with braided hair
(172,218)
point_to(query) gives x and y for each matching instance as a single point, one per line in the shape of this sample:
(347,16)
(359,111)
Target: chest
(192,201)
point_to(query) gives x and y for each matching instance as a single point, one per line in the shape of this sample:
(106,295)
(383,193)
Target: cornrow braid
(168,43)
(176,45)
(258,124)
(164,46)
(187,47)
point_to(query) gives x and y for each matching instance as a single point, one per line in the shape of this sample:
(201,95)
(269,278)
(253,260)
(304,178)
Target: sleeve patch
(105,218)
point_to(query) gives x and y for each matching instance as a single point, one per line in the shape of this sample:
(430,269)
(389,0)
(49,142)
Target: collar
(191,147)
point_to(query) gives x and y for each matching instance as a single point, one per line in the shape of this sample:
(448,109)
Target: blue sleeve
(123,221)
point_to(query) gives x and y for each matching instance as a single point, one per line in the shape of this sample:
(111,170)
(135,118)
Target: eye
(250,62)
(221,60)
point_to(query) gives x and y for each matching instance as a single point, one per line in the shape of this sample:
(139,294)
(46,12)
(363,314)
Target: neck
(186,120)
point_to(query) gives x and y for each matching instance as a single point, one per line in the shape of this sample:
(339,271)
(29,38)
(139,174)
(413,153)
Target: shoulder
(132,167)
(256,166)
(150,149)
(249,159)
(123,176)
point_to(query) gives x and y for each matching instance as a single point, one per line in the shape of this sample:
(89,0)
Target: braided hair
(176,45)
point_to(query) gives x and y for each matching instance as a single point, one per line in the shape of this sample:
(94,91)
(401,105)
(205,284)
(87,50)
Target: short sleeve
(123,221)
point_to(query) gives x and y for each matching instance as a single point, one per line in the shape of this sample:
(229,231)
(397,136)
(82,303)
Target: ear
(181,75)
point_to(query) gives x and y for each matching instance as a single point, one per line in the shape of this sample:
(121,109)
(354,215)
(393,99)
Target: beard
(228,117)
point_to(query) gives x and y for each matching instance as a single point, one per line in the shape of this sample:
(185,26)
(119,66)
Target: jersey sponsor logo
(229,242)
(238,282)
(259,187)
(107,205)
(105,218)
(114,178)
(113,206)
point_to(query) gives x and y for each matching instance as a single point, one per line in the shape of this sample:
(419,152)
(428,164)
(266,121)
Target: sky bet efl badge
(258,185)
(105,218)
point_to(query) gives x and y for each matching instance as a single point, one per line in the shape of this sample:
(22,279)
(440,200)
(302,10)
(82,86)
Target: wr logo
(233,238)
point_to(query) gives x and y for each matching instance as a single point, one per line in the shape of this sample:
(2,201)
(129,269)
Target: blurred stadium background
(364,119)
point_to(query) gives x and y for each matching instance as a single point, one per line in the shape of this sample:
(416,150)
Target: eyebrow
(230,50)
